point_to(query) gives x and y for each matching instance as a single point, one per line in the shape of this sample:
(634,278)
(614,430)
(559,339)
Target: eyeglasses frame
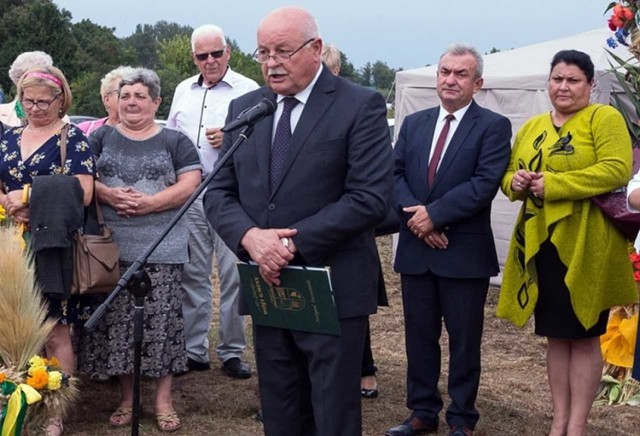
(288,55)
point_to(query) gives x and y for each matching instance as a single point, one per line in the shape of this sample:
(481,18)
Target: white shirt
(196,107)
(8,115)
(296,112)
(453,126)
(634,184)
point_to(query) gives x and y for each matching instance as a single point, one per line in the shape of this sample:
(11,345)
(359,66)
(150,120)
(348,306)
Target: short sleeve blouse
(16,172)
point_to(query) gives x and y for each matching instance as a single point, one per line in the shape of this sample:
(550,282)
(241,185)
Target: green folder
(303,301)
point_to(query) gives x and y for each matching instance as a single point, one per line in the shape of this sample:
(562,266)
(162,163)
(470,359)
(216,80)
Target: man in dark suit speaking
(308,188)
(448,164)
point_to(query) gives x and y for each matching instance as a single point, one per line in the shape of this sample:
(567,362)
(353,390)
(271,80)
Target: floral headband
(45,76)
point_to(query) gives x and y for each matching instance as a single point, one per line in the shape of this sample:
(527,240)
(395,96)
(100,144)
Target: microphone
(252,115)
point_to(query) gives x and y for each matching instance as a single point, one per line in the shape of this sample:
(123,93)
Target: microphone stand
(138,283)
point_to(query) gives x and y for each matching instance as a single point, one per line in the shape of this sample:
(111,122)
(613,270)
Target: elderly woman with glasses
(146,173)
(27,154)
(109,94)
(567,264)
(12,114)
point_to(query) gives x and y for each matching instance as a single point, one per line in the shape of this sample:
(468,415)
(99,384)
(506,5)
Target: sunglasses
(214,54)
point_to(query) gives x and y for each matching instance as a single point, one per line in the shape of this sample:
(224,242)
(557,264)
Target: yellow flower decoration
(37,362)
(39,379)
(55,380)
(617,344)
(3,214)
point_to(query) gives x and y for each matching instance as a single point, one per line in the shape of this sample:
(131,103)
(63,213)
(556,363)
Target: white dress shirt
(296,112)
(453,126)
(196,107)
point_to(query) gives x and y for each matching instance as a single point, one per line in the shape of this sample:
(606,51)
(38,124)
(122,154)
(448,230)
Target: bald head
(296,17)
(292,32)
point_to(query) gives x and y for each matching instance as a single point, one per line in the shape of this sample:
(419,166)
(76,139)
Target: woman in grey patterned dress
(145,174)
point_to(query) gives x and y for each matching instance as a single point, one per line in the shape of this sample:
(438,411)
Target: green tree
(36,25)
(243,63)
(176,64)
(99,52)
(383,76)
(86,95)
(366,75)
(170,78)
(99,49)
(144,42)
(347,70)
(6,5)
(175,53)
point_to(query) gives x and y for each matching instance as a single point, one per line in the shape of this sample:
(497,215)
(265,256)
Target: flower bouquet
(617,345)
(623,21)
(32,389)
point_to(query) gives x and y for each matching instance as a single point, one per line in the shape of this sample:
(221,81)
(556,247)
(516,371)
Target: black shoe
(412,427)
(194,365)
(458,430)
(236,368)
(369,394)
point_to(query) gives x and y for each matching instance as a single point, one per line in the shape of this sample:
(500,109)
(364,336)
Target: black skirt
(554,314)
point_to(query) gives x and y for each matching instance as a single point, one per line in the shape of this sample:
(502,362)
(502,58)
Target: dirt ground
(514,397)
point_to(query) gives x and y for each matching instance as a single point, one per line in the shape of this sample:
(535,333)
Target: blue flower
(621,36)
(611,43)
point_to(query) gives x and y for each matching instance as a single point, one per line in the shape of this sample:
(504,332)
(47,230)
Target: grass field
(514,397)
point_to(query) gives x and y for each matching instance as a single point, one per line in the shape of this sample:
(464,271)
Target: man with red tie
(449,161)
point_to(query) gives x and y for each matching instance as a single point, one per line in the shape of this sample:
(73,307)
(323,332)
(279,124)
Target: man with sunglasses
(308,188)
(199,109)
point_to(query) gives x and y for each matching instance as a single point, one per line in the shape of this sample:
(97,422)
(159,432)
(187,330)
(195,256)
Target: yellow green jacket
(590,155)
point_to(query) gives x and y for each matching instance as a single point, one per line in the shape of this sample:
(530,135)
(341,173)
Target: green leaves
(618,392)
(630,83)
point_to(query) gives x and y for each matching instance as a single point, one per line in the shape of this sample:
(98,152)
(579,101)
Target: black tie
(281,141)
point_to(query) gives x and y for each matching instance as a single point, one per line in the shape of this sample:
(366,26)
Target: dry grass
(513,398)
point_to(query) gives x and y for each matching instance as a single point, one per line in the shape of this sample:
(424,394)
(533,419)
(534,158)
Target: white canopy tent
(515,85)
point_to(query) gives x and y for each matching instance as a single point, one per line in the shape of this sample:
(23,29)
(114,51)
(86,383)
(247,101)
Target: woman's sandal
(168,421)
(53,427)
(121,417)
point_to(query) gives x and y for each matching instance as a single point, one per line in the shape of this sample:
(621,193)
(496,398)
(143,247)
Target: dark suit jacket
(335,187)
(459,202)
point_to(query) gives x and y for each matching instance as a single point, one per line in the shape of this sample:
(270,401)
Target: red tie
(437,153)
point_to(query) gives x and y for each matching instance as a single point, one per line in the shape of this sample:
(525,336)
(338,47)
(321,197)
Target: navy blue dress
(46,160)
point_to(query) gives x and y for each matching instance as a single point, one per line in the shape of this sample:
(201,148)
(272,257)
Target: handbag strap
(63,158)
(97,206)
(63,146)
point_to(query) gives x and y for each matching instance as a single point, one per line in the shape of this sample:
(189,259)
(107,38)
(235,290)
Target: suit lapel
(262,140)
(466,124)
(424,139)
(319,101)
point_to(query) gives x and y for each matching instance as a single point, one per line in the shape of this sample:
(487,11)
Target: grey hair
(206,30)
(331,56)
(460,49)
(147,77)
(27,61)
(113,76)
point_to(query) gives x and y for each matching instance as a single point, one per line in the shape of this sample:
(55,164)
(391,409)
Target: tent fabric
(515,85)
